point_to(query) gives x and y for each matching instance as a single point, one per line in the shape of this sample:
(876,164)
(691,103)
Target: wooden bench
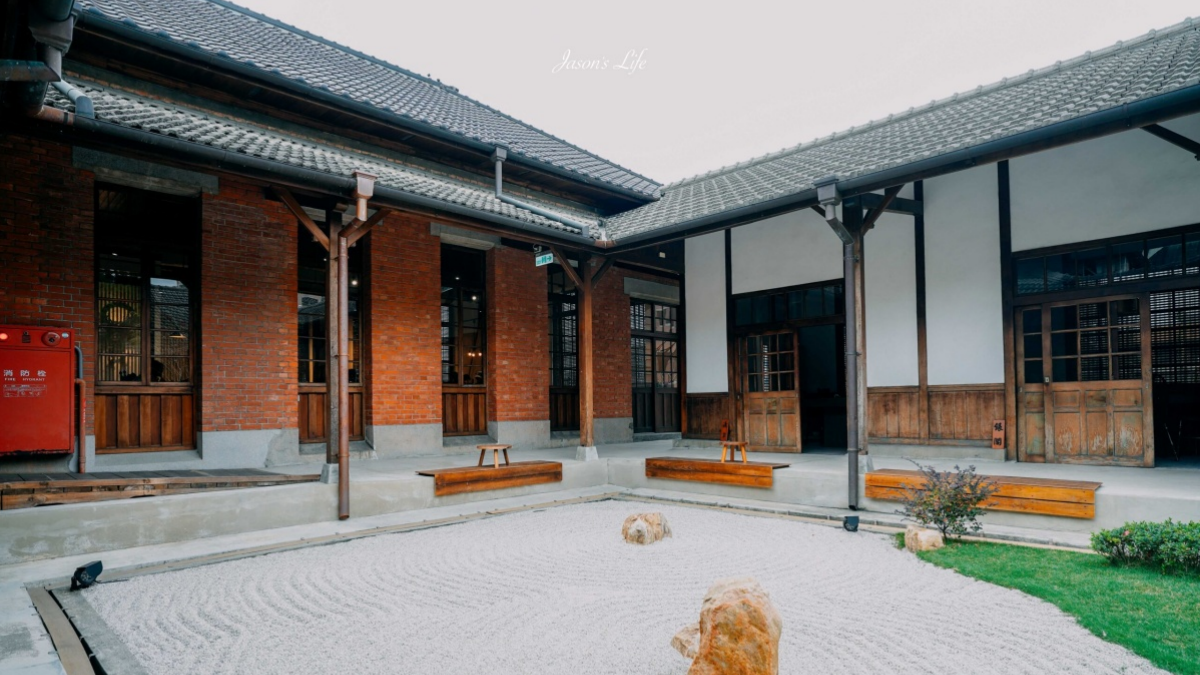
(747,474)
(480,478)
(1042,496)
(732,447)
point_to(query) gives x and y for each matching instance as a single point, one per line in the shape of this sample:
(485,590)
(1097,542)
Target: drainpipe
(829,197)
(83,103)
(51,23)
(81,393)
(498,156)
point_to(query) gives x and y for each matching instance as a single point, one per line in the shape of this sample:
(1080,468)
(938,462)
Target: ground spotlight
(87,575)
(850,523)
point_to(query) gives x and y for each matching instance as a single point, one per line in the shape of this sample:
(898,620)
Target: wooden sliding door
(770,392)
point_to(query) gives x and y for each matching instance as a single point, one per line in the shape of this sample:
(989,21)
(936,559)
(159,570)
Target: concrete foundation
(521,435)
(609,430)
(586,453)
(964,453)
(404,440)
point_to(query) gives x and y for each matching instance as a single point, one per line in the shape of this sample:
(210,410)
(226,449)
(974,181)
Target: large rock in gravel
(921,539)
(739,630)
(687,640)
(645,528)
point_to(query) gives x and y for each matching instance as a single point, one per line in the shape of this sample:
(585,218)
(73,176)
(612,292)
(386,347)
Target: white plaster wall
(1127,183)
(704,269)
(964,312)
(891,301)
(788,250)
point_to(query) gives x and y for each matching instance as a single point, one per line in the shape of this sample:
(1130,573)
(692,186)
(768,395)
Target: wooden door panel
(1096,438)
(1128,438)
(770,390)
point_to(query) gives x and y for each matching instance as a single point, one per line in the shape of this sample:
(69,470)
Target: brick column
(518,349)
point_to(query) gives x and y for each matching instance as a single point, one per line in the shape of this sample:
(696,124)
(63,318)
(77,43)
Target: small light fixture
(86,575)
(3,336)
(354,282)
(474,297)
(177,335)
(850,523)
(662,254)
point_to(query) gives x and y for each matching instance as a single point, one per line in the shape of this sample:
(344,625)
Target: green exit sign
(543,259)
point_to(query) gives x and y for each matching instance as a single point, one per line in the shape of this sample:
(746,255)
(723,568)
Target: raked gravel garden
(558,590)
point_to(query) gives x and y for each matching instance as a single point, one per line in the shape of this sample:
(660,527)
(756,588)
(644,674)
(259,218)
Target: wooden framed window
(654,360)
(798,304)
(564,329)
(313,356)
(464,327)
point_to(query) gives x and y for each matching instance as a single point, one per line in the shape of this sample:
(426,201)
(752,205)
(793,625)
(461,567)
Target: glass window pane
(762,309)
(1164,256)
(1091,267)
(785,342)
(830,304)
(119,369)
(172,369)
(1064,344)
(1033,372)
(1066,370)
(1094,369)
(1129,261)
(1032,320)
(796,305)
(1127,367)
(1033,346)
(744,312)
(1064,318)
(756,383)
(1031,276)
(1191,261)
(1126,340)
(814,302)
(1125,312)
(1093,342)
(1060,272)
(169,343)
(781,308)
(787,382)
(1092,315)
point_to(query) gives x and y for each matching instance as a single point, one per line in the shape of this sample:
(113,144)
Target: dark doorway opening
(1175,365)
(654,351)
(823,386)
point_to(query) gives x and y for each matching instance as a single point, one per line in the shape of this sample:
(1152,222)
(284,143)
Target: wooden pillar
(1006,307)
(333,316)
(587,412)
(732,354)
(922,335)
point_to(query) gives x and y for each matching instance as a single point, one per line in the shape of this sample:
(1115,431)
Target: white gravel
(558,591)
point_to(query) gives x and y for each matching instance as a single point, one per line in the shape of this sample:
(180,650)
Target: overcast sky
(708,84)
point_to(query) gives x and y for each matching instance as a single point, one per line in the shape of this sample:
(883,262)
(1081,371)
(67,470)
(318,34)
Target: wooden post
(343,378)
(1006,308)
(922,336)
(587,413)
(333,316)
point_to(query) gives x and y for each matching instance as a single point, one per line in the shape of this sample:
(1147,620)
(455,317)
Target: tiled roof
(1154,64)
(223,29)
(234,135)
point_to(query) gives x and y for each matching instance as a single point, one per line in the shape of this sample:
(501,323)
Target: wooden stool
(495,448)
(732,447)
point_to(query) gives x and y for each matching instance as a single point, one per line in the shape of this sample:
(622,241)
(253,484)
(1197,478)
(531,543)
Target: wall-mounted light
(354,282)
(177,335)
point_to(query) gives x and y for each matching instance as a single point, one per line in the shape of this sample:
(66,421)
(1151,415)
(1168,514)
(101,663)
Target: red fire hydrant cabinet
(36,390)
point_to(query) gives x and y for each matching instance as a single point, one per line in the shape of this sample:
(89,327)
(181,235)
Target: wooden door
(1093,405)
(770,392)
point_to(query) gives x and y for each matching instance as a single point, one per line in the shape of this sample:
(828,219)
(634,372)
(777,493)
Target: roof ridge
(1188,23)
(227,4)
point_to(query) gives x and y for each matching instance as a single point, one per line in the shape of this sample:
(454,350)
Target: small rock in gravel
(645,528)
(921,539)
(687,640)
(739,630)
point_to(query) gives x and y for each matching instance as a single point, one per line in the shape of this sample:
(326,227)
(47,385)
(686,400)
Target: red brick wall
(46,240)
(248,319)
(613,392)
(518,344)
(405,339)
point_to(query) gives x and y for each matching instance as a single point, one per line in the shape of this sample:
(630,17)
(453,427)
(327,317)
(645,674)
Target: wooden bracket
(1174,138)
(286,197)
(359,228)
(889,195)
(604,267)
(566,265)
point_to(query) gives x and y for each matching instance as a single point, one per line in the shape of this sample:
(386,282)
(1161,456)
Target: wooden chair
(495,448)
(732,448)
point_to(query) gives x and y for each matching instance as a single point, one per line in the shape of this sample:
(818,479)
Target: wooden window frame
(459,361)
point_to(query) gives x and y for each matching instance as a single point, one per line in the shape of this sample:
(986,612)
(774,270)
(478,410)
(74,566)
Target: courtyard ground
(556,590)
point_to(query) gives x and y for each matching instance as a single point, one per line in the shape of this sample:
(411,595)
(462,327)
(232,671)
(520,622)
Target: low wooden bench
(1042,496)
(43,489)
(747,474)
(480,478)
(496,449)
(732,447)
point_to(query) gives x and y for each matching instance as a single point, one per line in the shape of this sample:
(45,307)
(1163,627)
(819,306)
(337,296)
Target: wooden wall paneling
(705,412)
(956,414)
(464,411)
(144,420)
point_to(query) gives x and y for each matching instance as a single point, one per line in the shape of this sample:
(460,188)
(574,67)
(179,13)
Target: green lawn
(1154,615)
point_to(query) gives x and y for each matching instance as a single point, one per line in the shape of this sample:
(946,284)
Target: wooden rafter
(1174,138)
(566,265)
(298,211)
(359,228)
(604,267)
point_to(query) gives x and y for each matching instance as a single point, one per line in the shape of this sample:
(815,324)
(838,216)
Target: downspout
(829,197)
(498,156)
(81,423)
(52,26)
(82,102)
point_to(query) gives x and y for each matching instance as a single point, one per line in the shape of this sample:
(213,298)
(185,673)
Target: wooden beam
(731,347)
(820,210)
(604,267)
(889,195)
(294,206)
(587,412)
(333,316)
(359,228)
(910,207)
(1174,138)
(566,265)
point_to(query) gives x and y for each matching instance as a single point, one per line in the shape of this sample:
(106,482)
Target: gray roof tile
(1154,64)
(156,116)
(232,32)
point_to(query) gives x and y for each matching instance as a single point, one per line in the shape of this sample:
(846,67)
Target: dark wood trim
(876,210)
(1178,140)
(1006,302)
(895,204)
(731,352)
(1159,285)
(565,262)
(681,330)
(1105,241)
(788,289)
(922,329)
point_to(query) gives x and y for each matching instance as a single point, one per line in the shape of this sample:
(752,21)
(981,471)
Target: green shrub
(1170,546)
(950,501)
